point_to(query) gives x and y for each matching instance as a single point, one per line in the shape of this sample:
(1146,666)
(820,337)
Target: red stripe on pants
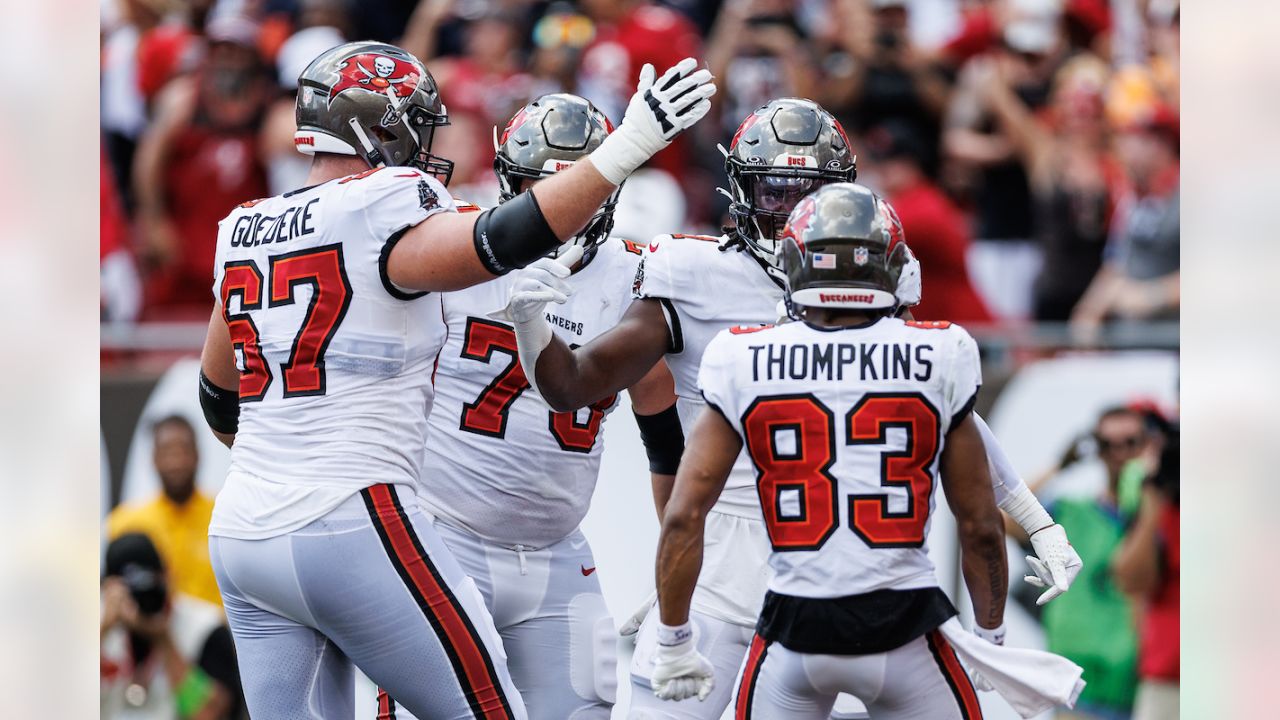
(959,679)
(479,680)
(751,671)
(386,706)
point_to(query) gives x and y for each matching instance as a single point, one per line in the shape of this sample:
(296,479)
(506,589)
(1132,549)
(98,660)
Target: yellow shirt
(181,535)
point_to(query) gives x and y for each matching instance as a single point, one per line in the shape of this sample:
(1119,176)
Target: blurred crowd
(1031,147)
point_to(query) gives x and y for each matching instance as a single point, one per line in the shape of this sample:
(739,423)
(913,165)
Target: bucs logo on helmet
(375,73)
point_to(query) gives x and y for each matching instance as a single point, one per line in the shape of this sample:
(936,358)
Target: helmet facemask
(781,153)
(406,123)
(761,198)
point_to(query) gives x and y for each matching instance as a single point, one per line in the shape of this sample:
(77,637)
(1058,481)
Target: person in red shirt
(197,160)
(630,33)
(1148,565)
(934,227)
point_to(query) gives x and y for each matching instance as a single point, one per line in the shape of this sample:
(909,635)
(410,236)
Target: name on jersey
(258,229)
(841,361)
(571,326)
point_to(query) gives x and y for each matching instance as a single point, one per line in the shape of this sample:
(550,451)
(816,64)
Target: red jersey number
(320,268)
(487,414)
(790,439)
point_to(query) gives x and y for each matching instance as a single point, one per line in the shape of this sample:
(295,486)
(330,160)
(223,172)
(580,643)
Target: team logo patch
(824,261)
(376,73)
(859,256)
(427,197)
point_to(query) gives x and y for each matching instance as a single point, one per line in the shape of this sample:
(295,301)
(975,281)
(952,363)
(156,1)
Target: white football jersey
(705,290)
(335,361)
(499,462)
(844,429)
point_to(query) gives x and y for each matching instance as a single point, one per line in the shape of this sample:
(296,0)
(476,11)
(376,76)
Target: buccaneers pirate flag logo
(375,73)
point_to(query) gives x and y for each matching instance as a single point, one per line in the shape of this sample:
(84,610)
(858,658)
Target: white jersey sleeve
(962,376)
(1005,480)
(394,200)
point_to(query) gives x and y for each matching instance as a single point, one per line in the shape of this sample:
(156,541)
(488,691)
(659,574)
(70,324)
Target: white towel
(1032,681)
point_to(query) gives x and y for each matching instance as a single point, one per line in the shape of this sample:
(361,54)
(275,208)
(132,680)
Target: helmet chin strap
(373,154)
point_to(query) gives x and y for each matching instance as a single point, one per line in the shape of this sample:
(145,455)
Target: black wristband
(221,407)
(663,440)
(513,235)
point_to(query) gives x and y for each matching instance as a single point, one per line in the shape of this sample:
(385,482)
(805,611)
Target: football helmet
(781,153)
(374,101)
(843,247)
(544,137)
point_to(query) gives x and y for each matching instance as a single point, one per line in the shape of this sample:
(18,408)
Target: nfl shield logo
(860,256)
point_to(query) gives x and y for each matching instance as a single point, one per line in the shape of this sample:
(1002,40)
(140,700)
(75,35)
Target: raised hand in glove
(657,112)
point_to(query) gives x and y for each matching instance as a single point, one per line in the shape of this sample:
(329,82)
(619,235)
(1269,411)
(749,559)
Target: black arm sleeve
(513,235)
(663,440)
(221,407)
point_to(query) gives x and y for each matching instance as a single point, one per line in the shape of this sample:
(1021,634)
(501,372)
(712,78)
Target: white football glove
(1055,564)
(679,670)
(631,625)
(658,111)
(534,286)
(995,637)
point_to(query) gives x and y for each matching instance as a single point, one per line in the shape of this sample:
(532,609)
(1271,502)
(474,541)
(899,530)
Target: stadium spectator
(1140,279)
(1073,178)
(321,25)
(163,655)
(177,519)
(123,111)
(760,50)
(884,76)
(1005,259)
(1147,565)
(1093,625)
(935,229)
(630,33)
(481,88)
(559,38)
(121,293)
(197,160)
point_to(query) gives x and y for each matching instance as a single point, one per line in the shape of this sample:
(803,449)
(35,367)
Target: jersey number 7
(796,488)
(321,268)
(488,414)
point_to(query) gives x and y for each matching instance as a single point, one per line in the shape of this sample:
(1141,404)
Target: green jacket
(1093,624)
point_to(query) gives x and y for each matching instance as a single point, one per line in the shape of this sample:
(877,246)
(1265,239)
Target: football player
(317,366)
(689,288)
(839,414)
(508,479)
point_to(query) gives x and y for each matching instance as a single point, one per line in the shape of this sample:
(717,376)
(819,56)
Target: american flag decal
(824,261)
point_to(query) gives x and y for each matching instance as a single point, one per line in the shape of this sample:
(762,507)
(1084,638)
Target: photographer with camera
(1147,566)
(1093,625)
(164,655)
